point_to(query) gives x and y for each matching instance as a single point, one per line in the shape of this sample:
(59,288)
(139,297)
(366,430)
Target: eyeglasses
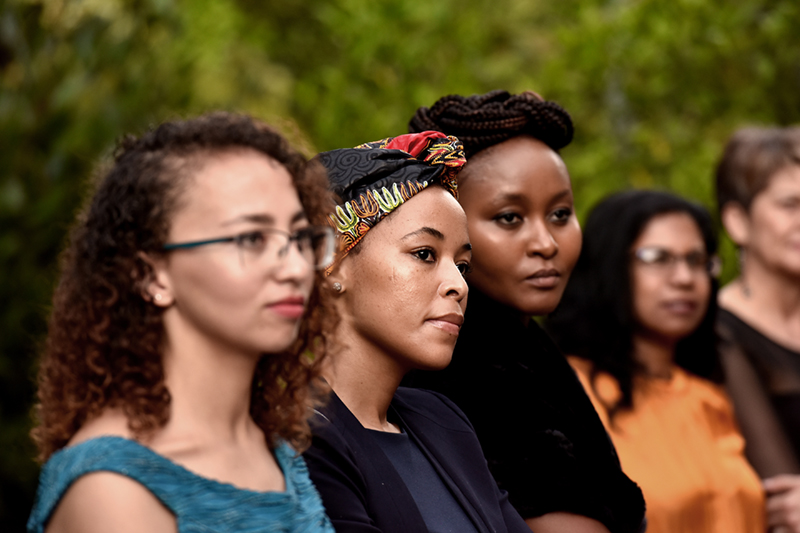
(315,243)
(661,259)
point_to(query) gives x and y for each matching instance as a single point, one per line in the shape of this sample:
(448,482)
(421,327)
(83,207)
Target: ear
(155,282)
(337,282)
(737,223)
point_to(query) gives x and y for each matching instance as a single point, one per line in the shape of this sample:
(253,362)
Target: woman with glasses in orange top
(173,389)
(638,317)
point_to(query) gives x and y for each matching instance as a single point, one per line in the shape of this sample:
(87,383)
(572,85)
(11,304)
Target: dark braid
(481,121)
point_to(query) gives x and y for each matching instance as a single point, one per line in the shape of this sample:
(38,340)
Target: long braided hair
(482,121)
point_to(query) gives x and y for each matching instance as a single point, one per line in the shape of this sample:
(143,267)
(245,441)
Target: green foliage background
(655,87)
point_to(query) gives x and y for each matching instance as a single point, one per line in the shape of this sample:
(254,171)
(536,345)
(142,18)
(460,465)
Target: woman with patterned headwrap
(386,459)
(544,442)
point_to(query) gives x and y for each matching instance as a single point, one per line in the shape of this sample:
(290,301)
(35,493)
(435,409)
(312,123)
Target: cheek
(381,295)
(704,292)
(570,240)
(221,282)
(645,291)
(770,225)
(494,249)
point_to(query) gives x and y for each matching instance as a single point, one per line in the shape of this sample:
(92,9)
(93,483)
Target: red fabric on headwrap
(413,143)
(375,178)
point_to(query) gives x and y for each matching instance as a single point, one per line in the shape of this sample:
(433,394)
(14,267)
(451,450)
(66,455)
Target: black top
(363,492)
(763,379)
(436,504)
(542,438)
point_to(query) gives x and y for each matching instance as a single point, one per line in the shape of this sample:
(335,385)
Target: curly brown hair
(104,340)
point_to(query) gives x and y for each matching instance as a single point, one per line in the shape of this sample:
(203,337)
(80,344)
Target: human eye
(508,218)
(426,255)
(251,239)
(654,256)
(789,202)
(561,215)
(464,267)
(697,260)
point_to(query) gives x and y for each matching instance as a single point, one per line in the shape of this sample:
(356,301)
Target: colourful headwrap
(373,179)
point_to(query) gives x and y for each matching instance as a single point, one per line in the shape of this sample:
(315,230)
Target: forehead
(433,208)
(521,166)
(784,181)
(224,185)
(673,231)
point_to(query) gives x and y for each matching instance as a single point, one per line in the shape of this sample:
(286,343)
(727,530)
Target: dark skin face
(405,293)
(525,236)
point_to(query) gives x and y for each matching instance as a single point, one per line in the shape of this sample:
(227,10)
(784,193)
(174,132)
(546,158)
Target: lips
(449,323)
(292,307)
(680,307)
(546,278)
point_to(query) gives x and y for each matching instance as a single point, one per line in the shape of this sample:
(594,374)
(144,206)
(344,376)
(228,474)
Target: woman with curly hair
(638,317)
(542,439)
(174,385)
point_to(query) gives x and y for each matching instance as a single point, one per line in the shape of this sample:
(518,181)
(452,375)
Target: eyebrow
(435,233)
(263,219)
(519,197)
(427,230)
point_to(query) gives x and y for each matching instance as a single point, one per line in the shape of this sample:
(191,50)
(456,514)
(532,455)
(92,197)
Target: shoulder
(601,387)
(704,389)
(111,422)
(107,501)
(430,405)
(96,481)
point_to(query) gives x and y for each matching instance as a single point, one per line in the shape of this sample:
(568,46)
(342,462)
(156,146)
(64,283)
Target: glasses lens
(714,266)
(320,242)
(251,245)
(654,256)
(697,260)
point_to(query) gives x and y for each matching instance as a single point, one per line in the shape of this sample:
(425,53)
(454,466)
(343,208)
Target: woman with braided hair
(543,440)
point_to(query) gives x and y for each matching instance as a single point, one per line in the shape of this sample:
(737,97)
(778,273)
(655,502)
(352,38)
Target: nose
(454,285)
(541,242)
(682,273)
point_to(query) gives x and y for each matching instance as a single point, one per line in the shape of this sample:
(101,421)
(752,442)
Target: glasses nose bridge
(283,250)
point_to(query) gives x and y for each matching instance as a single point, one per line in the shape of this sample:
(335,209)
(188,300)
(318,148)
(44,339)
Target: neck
(364,378)
(209,384)
(765,291)
(655,356)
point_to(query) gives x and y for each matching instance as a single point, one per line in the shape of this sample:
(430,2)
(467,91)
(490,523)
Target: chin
(539,307)
(439,363)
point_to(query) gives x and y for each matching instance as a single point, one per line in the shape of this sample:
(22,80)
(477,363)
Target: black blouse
(439,508)
(763,380)
(362,490)
(540,434)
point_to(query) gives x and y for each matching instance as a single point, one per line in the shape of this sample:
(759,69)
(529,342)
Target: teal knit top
(198,503)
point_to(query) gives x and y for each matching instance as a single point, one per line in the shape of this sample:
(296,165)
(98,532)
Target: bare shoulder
(106,501)
(110,422)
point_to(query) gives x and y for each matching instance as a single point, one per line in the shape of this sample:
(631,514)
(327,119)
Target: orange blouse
(681,445)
